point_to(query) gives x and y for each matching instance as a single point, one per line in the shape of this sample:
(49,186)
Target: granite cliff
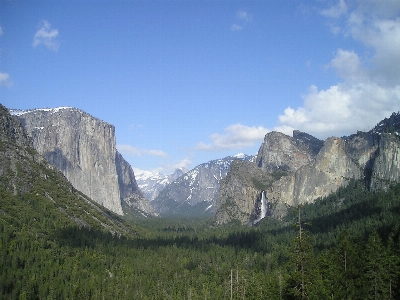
(285,153)
(239,196)
(313,169)
(35,193)
(83,148)
(131,196)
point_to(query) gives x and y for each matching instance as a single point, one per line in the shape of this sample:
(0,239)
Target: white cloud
(235,27)
(335,11)
(183,164)
(236,136)
(242,15)
(5,79)
(370,87)
(47,36)
(342,109)
(168,168)
(243,18)
(382,35)
(133,151)
(349,66)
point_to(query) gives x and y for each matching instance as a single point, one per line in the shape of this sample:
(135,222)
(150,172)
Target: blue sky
(185,82)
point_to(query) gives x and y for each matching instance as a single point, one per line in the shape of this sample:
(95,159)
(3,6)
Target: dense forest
(345,246)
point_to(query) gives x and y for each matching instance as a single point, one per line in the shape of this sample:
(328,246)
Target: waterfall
(263,208)
(263,205)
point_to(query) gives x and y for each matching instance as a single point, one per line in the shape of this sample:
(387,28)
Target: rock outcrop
(238,197)
(15,146)
(12,130)
(196,191)
(313,170)
(330,169)
(285,153)
(83,148)
(129,190)
(386,165)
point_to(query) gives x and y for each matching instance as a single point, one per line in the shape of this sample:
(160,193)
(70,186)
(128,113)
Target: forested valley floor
(345,246)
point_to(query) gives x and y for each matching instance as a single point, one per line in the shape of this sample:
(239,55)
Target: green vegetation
(347,248)
(57,244)
(278,174)
(265,182)
(261,185)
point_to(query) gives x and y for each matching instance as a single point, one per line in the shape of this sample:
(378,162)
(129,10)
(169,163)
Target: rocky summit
(300,169)
(83,148)
(285,153)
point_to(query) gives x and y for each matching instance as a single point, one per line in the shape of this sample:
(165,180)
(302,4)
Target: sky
(186,82)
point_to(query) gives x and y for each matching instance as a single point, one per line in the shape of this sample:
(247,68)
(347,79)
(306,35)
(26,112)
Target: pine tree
(301,264)
(376,272)
(344,262)
(393,261)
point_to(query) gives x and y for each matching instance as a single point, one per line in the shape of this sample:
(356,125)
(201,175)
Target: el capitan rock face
(83,148)
(37,186)
(313,170)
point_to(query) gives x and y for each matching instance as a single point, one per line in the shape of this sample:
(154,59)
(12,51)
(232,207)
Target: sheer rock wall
(83,148)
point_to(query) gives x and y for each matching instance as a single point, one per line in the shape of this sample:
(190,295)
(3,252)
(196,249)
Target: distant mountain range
(151,183)
(194,193)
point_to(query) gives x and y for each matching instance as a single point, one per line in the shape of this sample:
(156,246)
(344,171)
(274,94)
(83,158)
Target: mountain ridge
(151,183)
(195,191)
(372,156)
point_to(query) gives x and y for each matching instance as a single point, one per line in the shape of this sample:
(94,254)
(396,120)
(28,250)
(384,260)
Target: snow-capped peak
(19,112)
(240,155)
(151,183)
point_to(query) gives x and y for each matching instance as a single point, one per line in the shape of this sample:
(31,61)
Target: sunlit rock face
(83,148)
(285,153)
(303,168)
(330,169)
(386,166)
